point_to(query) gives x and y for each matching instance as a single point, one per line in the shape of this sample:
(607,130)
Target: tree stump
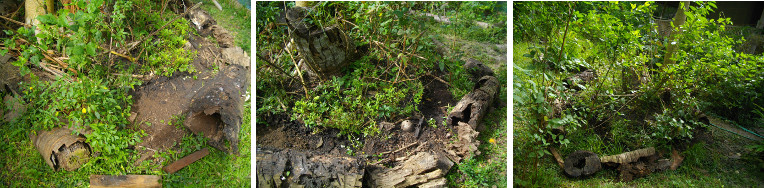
(325,50)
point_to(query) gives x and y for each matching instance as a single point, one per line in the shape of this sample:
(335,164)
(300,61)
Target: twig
(441,80)
(399,149)
(16,22)
(267,61)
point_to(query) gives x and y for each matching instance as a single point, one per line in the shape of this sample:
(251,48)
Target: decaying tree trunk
(62,150)
(637,163)
(581,164)
(422,170)
(473,106)
(477,69)
(290,168)
(325,50)
(467,143)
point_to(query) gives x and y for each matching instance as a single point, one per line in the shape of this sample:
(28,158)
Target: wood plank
(97,181)
(185,161)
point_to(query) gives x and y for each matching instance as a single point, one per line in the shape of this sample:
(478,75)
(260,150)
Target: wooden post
(101,181)
(185,161)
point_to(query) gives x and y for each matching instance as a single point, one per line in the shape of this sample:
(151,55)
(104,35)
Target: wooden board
(185,161)
(125,181)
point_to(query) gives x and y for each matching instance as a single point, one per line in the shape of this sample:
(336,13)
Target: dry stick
(564,36)
(441,80)
(299,72)
(399,149)
(16,22)
(273,65)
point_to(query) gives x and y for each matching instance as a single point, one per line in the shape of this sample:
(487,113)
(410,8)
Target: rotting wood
(185,161)
(557,157)
(477,69)
(581,164)
(467,143)
(290,168)
(628,157)
(473,106)
(676,159)
(106,181)
(62,150)
(424,169)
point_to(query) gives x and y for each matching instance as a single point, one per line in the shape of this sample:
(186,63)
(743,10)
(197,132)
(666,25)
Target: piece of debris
(676,159)
(185,161)
(473,106)
(407,125)
(581,164)
(424,169)
(62,150)
(224,38)
(105,181)
(467,143)
(290,168)
(236,56)
(387,126)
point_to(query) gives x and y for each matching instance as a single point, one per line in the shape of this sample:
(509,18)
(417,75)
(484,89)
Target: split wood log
(424,169)
(62,150)
(466,145)
(185,161)
(581,164)
(628,157)
(290,168)
(473,106)
(105,181)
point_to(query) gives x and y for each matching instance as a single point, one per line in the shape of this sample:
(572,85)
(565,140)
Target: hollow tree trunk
(324,50)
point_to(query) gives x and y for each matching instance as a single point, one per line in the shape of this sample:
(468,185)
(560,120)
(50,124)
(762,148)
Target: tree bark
(679,20)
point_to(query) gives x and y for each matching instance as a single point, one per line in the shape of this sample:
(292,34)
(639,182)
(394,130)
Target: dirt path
(734,129)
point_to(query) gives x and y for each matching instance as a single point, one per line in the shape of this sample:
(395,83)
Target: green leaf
(48,19)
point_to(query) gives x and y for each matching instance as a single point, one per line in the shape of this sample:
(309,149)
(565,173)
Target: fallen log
(477,69)
(628,157)
(473,106)
(185,161)
(104,181)
(422,170)
(290,168)
(62,150)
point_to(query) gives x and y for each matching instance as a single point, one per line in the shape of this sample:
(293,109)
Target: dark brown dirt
(278,131)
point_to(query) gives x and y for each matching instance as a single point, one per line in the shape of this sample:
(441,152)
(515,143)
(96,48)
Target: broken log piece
(62,150)
(628,157)
(676,159)
(477,69)
(581,164)
(473,106)
(290,168)
(185,161)
(466,145)
(423,170)
(557,157)
(104,181)
(218,107)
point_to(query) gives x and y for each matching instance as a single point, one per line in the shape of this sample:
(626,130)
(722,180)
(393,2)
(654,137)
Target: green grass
(234,17)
